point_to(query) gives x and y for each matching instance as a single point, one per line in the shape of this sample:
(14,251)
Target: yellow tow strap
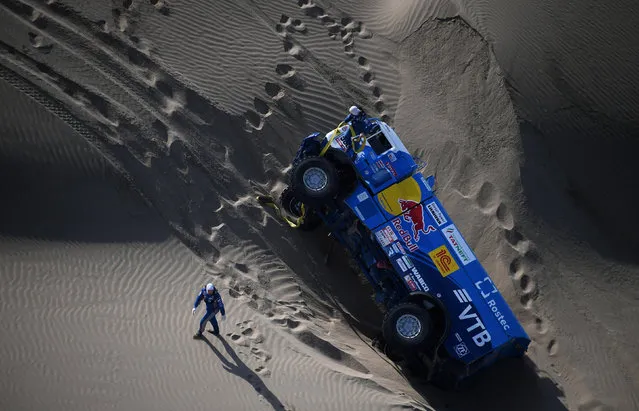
(269,201)
(361,140)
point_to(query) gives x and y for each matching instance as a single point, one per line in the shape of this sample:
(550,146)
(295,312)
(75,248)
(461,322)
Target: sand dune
(137,135)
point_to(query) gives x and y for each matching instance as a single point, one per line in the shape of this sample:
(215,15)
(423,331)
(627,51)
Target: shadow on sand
(510,384)
(240,369)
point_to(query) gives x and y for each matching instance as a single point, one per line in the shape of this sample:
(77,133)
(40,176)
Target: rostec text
(493,306)
(405,235)
(480,338)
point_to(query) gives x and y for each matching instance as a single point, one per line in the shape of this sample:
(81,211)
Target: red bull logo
(405,235)
(414,214)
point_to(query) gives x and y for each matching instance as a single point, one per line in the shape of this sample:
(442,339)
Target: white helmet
(354,110)
(210,287)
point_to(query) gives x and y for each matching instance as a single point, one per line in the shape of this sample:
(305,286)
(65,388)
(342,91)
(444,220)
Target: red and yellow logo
(406,191)
(443,260)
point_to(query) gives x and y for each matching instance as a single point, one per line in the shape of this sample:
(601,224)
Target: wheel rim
(408,326)
(315,179)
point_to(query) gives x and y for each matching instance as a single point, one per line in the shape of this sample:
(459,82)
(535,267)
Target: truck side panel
(430,254)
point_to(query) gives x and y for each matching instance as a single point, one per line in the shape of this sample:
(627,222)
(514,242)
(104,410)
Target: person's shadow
(240,369)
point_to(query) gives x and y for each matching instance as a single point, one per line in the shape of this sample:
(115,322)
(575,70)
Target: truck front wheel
(315,181)
(408,328)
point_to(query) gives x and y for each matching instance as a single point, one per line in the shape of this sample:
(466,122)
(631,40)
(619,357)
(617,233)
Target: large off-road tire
(314,181)
(292,205)
(408,328)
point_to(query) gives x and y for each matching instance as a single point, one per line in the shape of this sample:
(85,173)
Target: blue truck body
(392,222)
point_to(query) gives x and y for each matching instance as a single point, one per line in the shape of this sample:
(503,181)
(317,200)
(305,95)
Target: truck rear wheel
(314,181)
(408,328)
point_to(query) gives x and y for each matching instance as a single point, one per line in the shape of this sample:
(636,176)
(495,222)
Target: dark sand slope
(200,106)
(571,69)
(96,295)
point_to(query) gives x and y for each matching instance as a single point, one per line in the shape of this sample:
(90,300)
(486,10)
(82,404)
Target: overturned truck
(443,311)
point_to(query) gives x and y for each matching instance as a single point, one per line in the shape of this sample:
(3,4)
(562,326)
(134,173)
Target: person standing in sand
(214,304)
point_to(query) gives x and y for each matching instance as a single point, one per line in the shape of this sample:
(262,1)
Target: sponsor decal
(426,184)
(407,189)
(487,288)
(340,142)
(401,264)
(462,296)
(385,236)
(410,282)
(408,261)
(405,235)
(400,248)
(481,336)
(456,241)
(498,315)
(362,196)
(436,213)
(392,157)
(458,337)
(379,164)
(419,278)
(461,349)
(414,214)
(390,168)
(443,260)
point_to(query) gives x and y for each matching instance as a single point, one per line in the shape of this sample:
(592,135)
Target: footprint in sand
(38,42)
(540,326)
(39,20)
(487,197)
(368,77)
(288,74)
(287,24)
(255,118)
(278,94)
(250,338)
(160,5)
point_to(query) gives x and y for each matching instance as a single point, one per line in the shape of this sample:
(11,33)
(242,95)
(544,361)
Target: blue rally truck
(442,309)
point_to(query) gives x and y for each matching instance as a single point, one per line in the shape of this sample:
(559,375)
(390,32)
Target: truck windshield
(379,142)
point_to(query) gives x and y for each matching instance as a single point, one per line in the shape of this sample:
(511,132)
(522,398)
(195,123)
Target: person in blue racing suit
(358,119)
(214,304)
